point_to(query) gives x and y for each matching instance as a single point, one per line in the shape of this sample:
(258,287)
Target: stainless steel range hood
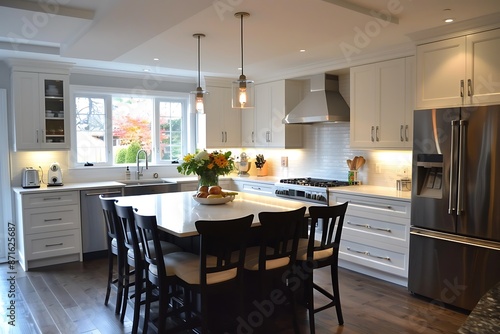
(322,104)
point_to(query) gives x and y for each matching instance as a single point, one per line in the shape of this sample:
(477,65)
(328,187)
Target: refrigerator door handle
(455,238)
(461,167)
(452,197)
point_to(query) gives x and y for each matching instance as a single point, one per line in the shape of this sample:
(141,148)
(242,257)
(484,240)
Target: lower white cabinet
(49,228)
(254,187)
(375,236)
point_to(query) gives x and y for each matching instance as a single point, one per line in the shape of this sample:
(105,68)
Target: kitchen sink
(147,186)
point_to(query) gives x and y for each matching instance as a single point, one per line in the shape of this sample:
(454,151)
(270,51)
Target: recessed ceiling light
(302,50)
(156,59)
(447,16)
(146,70)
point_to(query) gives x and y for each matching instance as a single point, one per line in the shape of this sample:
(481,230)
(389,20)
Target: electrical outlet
(284,161)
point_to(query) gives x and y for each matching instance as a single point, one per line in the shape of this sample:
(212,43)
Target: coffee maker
(55,175)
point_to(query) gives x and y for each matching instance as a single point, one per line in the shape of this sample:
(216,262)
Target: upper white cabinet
(263,127)
(382,104)
(459,71)
(223,123)
(40,110)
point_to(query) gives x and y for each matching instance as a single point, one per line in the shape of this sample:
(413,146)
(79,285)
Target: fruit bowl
(214,201)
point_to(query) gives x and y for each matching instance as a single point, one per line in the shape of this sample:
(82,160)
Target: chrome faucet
(139,171)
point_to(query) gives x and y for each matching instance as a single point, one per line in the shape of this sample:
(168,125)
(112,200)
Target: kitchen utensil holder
(352,177)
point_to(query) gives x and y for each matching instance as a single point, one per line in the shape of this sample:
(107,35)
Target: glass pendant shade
(199,103)
(242,89)
(243,93)
(199,93)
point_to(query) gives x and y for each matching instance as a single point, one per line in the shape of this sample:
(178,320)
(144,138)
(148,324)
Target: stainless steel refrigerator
(455,215)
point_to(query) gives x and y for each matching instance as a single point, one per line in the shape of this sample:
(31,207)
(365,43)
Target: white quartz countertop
(374,191)
(177,212)
(69,186)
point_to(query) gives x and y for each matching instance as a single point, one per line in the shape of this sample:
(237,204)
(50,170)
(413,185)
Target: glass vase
(208,178)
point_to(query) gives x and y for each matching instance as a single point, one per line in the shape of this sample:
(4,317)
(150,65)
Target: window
(110,128)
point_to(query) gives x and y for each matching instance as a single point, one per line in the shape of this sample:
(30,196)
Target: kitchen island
(177,212)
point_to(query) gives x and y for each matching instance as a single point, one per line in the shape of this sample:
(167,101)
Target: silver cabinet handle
(406,133)
(104,193)
(376,134)
(52,245)
(461,88)
(37,138)
(368,253)
(253,136)
(373,139)
(469,87)
(52,199)
(368,226)
(52,220)
(401,133)
(225,136)
(256,188)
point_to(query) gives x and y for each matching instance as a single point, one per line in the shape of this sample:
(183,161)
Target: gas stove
(307,189)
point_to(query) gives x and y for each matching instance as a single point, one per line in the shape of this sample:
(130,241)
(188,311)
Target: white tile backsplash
(326,149)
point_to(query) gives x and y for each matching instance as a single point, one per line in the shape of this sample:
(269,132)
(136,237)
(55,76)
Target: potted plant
(260,162)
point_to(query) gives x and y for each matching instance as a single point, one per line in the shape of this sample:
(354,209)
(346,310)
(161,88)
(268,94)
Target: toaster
(31,179)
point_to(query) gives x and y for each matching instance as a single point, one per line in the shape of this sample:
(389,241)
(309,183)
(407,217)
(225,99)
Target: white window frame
(189,128)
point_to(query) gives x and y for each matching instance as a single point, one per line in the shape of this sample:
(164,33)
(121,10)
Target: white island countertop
(177,213)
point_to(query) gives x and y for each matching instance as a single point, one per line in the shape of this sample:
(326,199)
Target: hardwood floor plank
(36,306)
(73,294)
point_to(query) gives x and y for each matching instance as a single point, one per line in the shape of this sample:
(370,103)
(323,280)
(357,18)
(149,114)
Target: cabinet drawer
(371,207)
(51,219)
(392,261)
(45,245)
(257,188)
(377,230)
(45,199)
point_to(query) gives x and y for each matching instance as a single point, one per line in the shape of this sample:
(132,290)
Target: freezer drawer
(450,269)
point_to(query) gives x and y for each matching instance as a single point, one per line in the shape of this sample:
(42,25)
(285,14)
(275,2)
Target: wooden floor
(69,299)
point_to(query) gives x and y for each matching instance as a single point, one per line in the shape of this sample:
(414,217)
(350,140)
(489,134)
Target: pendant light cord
(241,39)
(199,80)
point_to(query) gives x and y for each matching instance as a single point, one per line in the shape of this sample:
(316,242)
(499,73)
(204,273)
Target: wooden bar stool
(135,259)
(314,253)
(116,247)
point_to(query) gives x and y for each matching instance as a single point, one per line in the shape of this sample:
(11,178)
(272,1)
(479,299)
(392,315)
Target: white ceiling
(125,35)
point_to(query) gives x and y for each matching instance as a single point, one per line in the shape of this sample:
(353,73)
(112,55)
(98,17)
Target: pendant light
(242,89)
(199,92)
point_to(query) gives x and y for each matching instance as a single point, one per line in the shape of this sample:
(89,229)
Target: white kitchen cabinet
(49,228)
(40,111)
(223,123)
(264,127)
(254,187)
(375,236)
(382,104)
(459,71)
